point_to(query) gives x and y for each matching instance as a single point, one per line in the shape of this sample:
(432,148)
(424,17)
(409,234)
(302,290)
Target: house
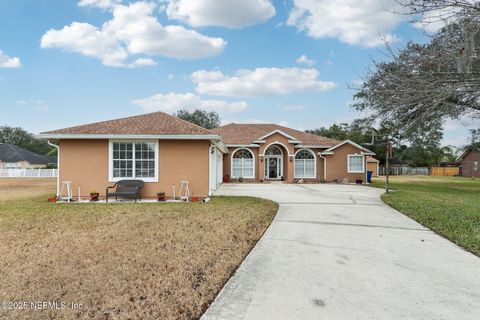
(373,165)
(163,151)
(157,148)
(258,152)
(13,157)
(470,163)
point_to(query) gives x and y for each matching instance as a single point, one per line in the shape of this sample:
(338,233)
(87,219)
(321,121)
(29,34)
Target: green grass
(450,206)
(124,261)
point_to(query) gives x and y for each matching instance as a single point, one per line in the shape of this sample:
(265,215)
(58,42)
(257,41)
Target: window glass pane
(133,160)
(356,163)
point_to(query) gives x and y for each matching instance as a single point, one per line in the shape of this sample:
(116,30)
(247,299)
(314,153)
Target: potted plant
(52,199)
(358,181)
(161,196)
(94,196)
(194,199)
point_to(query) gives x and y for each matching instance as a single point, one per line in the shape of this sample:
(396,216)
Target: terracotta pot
(52,199)
(94,196)
(194,199)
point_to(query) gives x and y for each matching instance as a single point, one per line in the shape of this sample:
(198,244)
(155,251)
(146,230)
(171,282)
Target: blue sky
(64,63)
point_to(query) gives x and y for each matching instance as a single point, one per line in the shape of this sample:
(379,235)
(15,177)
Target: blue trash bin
(369,176)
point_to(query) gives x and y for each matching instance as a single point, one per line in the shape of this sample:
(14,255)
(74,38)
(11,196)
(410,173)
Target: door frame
(279,167)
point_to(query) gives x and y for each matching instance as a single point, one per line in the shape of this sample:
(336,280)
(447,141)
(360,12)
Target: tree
(419,147)
(208,120)
(424,84)
(23,139)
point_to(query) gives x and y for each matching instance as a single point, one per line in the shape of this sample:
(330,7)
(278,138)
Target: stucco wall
(337,164)
(85,163)
(373,166)
(468,164)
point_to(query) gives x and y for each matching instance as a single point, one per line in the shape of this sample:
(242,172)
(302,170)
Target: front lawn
(448,205)
(124,261)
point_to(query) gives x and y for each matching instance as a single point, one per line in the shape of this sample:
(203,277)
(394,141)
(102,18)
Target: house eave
(242,145)
(58,136)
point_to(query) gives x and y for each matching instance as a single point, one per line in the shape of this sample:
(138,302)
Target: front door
(273,168)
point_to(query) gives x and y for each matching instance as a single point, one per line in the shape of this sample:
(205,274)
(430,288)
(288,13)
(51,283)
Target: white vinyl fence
(28,173)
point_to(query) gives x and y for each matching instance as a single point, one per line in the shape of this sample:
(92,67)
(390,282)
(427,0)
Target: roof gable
(157,123)
(356,145)
(273,132)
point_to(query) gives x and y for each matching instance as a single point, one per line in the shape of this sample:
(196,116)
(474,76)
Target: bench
(125,189)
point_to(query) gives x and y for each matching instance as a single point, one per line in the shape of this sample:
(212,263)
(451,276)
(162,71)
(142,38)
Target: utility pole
(387,168)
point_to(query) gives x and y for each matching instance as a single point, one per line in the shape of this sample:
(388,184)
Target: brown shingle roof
(235,133)
(157,123)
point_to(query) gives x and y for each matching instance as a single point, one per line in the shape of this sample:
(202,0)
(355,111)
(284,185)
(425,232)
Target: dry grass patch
(124,261)
(21,188)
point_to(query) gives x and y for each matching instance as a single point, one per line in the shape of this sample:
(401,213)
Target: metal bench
(125,189)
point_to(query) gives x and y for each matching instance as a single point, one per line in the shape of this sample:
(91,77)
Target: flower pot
(52,199)
(161,196)
(194,199)
(358,181)
(94,196)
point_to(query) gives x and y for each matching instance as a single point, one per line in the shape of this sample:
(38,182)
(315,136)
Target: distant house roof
(11,153)
(467,151)
(151,124)
(245,134)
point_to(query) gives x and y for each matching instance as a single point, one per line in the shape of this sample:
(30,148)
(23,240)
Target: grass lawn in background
(450,206)
(124,261)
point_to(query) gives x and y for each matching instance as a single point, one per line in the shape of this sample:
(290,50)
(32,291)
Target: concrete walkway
(337,252)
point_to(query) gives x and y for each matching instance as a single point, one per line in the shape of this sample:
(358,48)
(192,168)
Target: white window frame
(110,161)
(11,165)
(363,163)
(253,159)
(314,165)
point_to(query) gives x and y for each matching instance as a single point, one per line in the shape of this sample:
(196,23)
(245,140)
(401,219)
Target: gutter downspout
(324,166)
(58,165)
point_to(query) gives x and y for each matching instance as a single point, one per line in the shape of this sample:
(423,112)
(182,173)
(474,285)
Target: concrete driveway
(337,252)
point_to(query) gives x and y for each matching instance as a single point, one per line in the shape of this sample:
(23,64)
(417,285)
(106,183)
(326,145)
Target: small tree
(208,120)
(23,139)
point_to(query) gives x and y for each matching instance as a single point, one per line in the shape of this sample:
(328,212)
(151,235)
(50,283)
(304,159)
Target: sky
(290,62)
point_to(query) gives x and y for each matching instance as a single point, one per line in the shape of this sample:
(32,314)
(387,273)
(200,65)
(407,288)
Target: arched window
(305,164)
(273,151)
(242,164)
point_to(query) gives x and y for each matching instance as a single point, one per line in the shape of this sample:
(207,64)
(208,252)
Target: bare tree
(426,83)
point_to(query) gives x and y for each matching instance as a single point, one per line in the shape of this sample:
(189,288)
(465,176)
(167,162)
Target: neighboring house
(272,152)
(163,151)
(470,163)
(373,165)
(13,157)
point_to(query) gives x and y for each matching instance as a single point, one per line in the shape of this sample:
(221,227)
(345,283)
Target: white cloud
(303,59)
(368,23)
(259,82)
(133,30)
(7,62)
(102,4)
(38,105)
(172,102)
(224,13)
